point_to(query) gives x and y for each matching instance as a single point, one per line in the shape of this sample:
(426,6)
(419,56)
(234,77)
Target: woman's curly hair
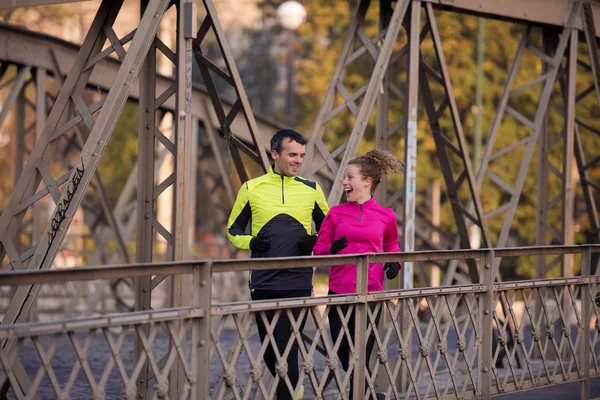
(377,163)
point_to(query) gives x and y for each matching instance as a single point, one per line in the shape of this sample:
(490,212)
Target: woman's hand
(338,245)
(391,270)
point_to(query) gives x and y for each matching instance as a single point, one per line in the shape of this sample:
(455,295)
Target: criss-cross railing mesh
(550,330)
(435,337)
(98,361)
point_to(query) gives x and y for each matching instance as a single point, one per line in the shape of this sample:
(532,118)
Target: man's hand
(391,270)
(338,245)
(306,245)
(259,245)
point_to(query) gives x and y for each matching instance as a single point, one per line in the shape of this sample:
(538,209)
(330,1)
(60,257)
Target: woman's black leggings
(335,325)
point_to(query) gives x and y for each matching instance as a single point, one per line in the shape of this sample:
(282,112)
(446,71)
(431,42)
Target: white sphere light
(290,15)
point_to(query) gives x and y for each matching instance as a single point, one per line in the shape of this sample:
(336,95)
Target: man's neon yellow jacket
(282,210)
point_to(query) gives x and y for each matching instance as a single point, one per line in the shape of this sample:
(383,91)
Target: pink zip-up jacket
(369,228)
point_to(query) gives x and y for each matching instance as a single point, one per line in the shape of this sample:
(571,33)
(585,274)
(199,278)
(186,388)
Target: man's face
(289,160)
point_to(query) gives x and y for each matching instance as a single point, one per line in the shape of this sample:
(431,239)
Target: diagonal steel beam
(379,70)
(97,182)
(234,80)
(328,102)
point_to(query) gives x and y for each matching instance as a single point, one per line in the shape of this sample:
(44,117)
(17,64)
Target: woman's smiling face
(357,189)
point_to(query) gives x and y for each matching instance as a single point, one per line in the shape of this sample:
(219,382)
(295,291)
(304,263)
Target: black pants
(336,327)
(282,333)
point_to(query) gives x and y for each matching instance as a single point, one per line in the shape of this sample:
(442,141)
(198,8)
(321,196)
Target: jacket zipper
(282,196)
(360,218)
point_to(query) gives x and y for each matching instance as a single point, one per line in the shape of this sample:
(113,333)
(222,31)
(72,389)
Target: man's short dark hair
(292,135)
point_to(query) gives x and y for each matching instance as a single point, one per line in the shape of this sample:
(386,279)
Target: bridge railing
(462,341)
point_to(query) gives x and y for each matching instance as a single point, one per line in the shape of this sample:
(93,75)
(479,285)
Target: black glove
(259,245)
(306,245)
(338,245)
(391,269)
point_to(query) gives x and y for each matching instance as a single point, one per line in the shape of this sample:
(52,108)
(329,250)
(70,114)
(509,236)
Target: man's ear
(274,154)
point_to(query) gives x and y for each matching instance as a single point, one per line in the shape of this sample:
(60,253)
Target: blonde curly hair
(377,163)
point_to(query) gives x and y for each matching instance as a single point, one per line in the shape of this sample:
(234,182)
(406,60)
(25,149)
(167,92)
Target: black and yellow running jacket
(282,209)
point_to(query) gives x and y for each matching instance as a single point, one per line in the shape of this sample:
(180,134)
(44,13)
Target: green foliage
(121,153)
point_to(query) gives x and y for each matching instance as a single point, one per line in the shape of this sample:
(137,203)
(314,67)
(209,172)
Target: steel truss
(87,128)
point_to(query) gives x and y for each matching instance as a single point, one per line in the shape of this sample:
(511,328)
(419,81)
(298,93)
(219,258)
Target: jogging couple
(281,207)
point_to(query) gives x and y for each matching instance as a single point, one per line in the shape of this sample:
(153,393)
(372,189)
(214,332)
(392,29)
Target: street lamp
(290,16)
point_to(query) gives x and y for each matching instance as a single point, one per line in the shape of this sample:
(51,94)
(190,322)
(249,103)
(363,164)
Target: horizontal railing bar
(186,267)
(543,250)
(425,292)
(30,329)
(265,305)
(94,273)
(577,280)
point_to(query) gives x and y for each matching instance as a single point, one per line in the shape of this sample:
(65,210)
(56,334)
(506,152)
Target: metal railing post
(360,326)
(584,329)
(486,312)
(200,356)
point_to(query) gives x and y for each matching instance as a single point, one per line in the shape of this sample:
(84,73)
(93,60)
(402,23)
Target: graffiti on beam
(61,210)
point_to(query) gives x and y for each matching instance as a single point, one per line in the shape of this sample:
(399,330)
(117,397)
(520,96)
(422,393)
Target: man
(282,207)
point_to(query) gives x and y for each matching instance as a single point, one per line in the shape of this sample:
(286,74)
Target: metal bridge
(72,127)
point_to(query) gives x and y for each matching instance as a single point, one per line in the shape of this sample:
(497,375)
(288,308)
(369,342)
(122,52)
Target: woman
(361,225)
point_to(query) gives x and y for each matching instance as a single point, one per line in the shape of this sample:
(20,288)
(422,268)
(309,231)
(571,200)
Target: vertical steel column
(200,352)
(360,326)
(19,152)
(19,134)
(410,168)
(183,135)
(381,142)
(145,200)
(542,185)
(383,105)
(40,119)
(486,315)
(584,329)
(186,31)
(542,171)
(193,186)
(568,189)
(410,143)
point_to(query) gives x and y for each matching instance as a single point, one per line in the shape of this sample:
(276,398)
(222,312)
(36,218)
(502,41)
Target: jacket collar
(275,175)
(367,203)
